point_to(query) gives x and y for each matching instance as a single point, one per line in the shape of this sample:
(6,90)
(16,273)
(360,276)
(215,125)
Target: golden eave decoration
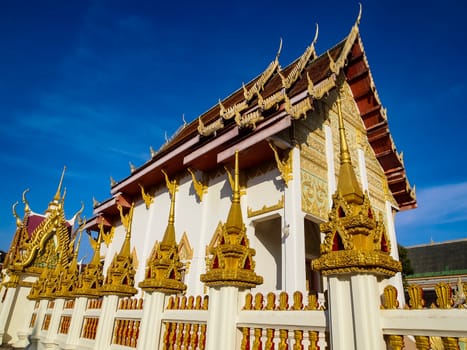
(231,261)
(285,165)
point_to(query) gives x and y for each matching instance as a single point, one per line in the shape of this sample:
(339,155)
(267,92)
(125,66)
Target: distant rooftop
(438,258)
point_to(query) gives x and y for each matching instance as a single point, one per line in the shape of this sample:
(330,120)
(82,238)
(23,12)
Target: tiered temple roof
(265,106)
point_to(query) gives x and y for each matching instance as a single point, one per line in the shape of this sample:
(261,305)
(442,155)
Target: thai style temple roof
(265,106)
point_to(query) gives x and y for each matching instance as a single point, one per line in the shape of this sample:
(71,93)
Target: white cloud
(437,205)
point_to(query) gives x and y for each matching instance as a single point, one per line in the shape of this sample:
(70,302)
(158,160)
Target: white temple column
(396,280)
(74,331)
(293,232)
(5,312)
(340,312)
(35,336)
(18,325)
(222,316)
(106,322)
(354,312)
(151,321)
(51,336)
(366,307)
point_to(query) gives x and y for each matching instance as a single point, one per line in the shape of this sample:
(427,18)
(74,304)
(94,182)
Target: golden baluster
(179,337)
(129,332)
(248,302)
(257,344)
(172,335)
(138,324)
(298,337)
(450,343)
(444,301)
(205,302)
(271,301)
(191,301)
(394,342)
(297,301)
(114,335)
(183,303)
(416,301)
(269,339)
(313,337)
(283,338)
(245,338)
(166,335)
(194,336)
(198,302)
(258,301)
(187,338)
(283,301)
(170,303)
(202,340)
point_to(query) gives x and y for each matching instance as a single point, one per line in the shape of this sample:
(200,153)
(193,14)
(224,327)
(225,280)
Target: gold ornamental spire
(231,260)
(90,280)
(169,235)
(347,184)
(355,239)
(59,188)
(120,277)
(235,219)
(163,271)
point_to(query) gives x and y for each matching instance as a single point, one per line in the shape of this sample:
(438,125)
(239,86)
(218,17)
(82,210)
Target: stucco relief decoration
(314,195)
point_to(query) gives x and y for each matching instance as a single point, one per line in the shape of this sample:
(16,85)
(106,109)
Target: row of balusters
(65,322)
(95,303)
(69,304)
(188,303)
(258,302)
(46,322)
(282,339)
(126,332)
(180,335)
(130,304)
(445,299)
(90,328)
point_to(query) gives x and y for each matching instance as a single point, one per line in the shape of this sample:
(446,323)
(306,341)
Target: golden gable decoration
(355,240)
(120,277)
(163,273)
(231,262)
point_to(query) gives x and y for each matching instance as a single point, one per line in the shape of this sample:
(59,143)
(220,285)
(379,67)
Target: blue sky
(92,84)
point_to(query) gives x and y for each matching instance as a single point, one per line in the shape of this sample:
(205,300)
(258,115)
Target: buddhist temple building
(287,187)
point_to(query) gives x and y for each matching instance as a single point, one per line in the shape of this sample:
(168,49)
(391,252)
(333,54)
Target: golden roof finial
(235,219)
(347,185)
(59,189)
(357,22)
(112,181)
(169,235)
(15,214)
(152,151)
(25,201)
(279,50)
(132,167)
